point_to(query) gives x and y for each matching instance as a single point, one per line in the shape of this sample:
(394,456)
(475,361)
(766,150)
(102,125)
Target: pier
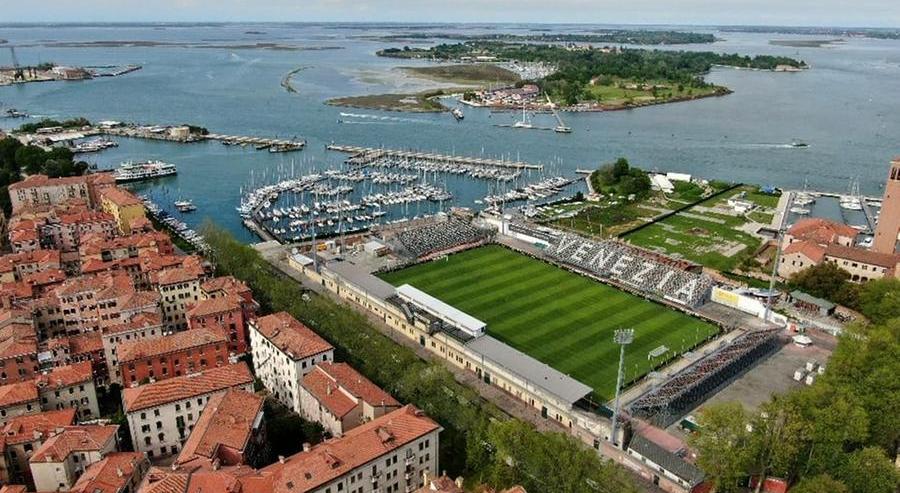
(275,145)
(366,154)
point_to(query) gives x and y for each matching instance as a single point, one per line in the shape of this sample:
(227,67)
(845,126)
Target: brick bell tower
(889,219)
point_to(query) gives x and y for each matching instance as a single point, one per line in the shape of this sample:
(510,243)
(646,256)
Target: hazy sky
(874,13)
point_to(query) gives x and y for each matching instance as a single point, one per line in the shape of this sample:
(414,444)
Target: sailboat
(561,128)
(852,201)
(524,122)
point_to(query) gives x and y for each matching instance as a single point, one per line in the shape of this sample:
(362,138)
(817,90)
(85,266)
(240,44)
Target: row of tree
(875,299)
(479,441)
(17,158)
(839,435)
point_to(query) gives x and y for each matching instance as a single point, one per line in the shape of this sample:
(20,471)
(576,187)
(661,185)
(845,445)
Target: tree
(724,445)
(828,281)
(879,300)
(870,471)
(820,484)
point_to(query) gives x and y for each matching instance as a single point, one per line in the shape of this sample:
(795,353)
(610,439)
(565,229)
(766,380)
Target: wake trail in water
(366,116)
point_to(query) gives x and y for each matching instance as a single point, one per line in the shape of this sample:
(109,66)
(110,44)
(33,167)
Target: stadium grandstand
(438,238)
(688,388)
(651,273)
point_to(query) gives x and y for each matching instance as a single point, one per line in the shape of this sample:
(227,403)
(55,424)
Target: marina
(364,155)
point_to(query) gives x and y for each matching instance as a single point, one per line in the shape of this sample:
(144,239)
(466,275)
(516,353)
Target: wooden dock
(263,142)
(371,153)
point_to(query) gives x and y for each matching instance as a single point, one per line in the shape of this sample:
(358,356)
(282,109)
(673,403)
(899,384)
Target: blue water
(846,108)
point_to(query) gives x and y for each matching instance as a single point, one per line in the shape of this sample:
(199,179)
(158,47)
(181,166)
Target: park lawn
(562,319)
(617,93)
(697,240)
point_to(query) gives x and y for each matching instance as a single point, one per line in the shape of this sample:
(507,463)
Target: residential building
(230,432)
(229,286)
(21,436)
(798,256)
(18,350)
(123,205)
(140,326)
(90,303)
(117,472)
(18,399)
(98,247)
(182,353)
(222,314)
(340,398)
(70,387)
(68,350)
(178,288)
(36,190)
(58,463)
(389,454)
(888,225)
(863,265)
(440,484)
(16,266)
(161,415)
(821,231)
(284,350)
(66,230)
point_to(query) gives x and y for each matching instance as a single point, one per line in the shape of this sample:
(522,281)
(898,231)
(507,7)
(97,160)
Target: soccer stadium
(560,317)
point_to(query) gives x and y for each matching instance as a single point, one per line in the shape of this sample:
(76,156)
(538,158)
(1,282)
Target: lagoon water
(847,108)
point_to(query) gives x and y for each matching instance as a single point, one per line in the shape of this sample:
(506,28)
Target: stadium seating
(437,238)
(633,267)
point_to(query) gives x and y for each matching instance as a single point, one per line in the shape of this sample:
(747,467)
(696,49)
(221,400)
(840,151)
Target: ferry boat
(185,205)
(145,170)
(457,113)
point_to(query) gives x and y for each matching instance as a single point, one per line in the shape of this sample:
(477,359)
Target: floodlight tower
(623,337)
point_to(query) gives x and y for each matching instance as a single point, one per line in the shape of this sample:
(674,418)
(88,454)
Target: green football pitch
(555,316)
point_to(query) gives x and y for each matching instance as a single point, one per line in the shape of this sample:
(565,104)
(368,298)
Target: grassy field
(560,318)
(422,102)
(623,92)
(707,237)
(472,73)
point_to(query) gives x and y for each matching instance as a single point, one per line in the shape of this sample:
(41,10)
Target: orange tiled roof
(137,300)
(215,305)
(331,459)
(18,393)
(43,278)
(120,197)
(66,376)
(82,438)
(226,421)
(44,180)
(83,217)
(179,341)
(142,320)
(224,283)
(13,488)
(822,231)
(324,381)
(22,429)
(47,258)
(809,249)
(886,260)
(441,484)
(111,474)
(185,387)
(17,339)
(90,342)
(291,336)
(173,276)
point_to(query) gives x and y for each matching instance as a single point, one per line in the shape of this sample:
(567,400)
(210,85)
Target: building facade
(182,353)
(161,415)
(284,350)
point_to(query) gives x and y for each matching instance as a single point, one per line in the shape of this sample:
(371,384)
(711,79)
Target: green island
(421,102)
(477,74)
(614,36)
(465,77)
(607,78)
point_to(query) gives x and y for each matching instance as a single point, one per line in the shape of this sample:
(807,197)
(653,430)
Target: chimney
(328,388)
(459,482)
(281,458)
(306,446)
(119,472)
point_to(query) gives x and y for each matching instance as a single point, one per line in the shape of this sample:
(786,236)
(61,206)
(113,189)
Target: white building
(59,462)
(161,415)
(70,387)
(340,398)
(284,350)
